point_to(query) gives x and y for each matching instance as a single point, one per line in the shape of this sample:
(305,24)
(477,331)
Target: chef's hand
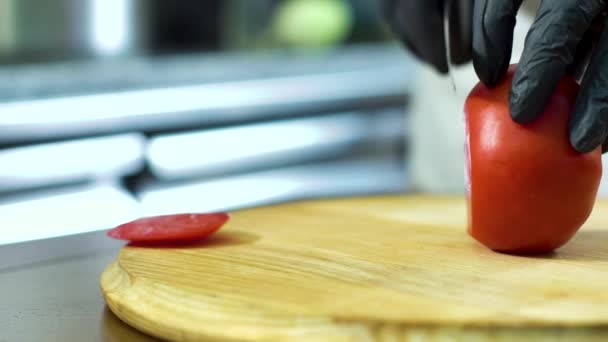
(559,40)
(419,24)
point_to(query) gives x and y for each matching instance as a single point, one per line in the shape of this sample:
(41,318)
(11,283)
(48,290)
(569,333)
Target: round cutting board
(361,269)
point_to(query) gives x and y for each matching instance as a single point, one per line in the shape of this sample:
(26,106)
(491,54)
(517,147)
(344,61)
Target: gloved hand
(561,40)
(419,24)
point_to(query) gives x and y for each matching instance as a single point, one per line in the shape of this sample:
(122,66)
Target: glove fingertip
(585,144)
(442,68)
(493,39)
(438,63)
(586,139)
(527,99)
(489,73)
(520,110)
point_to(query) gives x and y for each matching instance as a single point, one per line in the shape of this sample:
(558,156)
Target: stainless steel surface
(86,77)
(65,211)
(50,291)
(229,102)
(98,206)
(99,158)
(35,30)
(336,178)
(79,99)
(217,152)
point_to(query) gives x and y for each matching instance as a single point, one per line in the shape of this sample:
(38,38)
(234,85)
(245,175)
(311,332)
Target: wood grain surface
(361,269)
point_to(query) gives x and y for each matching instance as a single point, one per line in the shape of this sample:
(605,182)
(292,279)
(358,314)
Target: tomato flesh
(177,227)
(528,190)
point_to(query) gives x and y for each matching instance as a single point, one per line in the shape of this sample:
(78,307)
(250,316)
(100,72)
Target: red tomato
(177,227)
(528,190)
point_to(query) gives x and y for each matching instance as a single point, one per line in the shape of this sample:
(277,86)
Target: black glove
(559,41)
(419,24)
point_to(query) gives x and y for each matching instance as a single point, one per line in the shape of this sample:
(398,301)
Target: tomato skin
(528,190)
(178,227)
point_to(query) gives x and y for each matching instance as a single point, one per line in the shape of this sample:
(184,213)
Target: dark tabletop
(50,291)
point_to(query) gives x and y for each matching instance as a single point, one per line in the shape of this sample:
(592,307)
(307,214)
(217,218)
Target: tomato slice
(176,227)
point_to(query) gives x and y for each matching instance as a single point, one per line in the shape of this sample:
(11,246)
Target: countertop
(50,291)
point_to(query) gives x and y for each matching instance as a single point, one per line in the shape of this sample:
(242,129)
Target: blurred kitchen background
(113,109)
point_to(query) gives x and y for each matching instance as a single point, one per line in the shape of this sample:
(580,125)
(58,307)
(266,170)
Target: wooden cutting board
(361,269)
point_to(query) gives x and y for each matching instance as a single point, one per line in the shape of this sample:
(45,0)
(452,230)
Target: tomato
(528,190)
(178,227)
